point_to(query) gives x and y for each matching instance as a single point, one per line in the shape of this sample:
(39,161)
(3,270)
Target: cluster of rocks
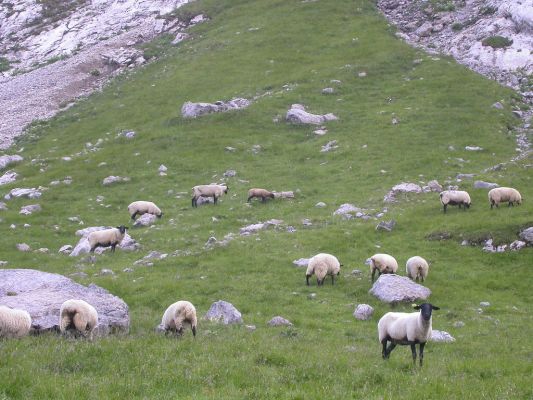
(148,260)
(193,110)
(254,228)
(82,247)
(30,193)
(350,211)
(123,57)
(114,179)
(409,187)
(526,239)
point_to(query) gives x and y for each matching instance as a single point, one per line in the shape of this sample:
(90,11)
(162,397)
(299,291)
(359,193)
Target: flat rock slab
(42,294)
(392,288)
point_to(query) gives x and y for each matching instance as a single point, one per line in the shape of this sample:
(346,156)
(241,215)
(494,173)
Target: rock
(279,321)
(425,29)
(404,187)
(8,177)
(387,226)
(3,206)
(465,176)
(250,328)
(485,185)
(114,179)
(320,132)
(498,105)
(458,324)
(441,336)
(106,271)
(331,145)
(301,262)
(211,242)
(30,193)
(23,247)
(347,211)
(82,247)
(122,57)
(490,248)
(66,249)
(363,312)
(298,115)
(230,173)
(128,270)
(193,110)
(284,195)
(180,37)
(42,294)
(162,170)
(484,304)
(6,160)
(392,288)
(230,149)
(328,90)
(473,148)
(320,204)
(223,312)
(3,264)
(145,220)
(527,235)
(434,186)
(30,209)
(256,148)
(307,222)
(517,245)
(127,134)
(254,228)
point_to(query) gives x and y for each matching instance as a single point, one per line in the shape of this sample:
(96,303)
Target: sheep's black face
(122,228)
(426,309)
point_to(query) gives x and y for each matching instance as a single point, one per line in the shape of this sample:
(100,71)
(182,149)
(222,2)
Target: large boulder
(392,288)
(223,312)
(42,293)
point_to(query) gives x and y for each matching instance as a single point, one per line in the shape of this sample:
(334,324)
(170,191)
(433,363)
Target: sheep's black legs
(134,215)
(384,351)
(413,350)
(444,207)
(113,247)
(421,352)
(193,201)
(307,279)
(215,199)
(373,273)
(389,350)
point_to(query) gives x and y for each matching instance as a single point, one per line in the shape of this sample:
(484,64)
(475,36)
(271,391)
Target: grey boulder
(392,288)
(223,312)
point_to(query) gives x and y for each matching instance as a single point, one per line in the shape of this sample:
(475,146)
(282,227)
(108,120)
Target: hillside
(403,116)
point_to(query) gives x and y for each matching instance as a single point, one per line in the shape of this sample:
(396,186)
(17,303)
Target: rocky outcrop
(193,110)
(42,293)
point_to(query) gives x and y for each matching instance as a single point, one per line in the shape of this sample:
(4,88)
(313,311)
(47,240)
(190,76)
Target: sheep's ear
(416,306)
(435,307)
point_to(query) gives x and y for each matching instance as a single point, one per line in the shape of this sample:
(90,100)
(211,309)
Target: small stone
(320,204)
(251,328)
(127,270)
(3,264)
(498,105)
(306,222)
(458,324)
(230,173)
(223,312)
(66,249)
(387,226)
(473,148)
(311,296)
(106,271)
(301,262)
(356,272)
(484,304)
(363,312)
(30,209)
(485,185)
(23,247)
(279,321)
(230,149)
(328,90)
(441,336)
(320,132)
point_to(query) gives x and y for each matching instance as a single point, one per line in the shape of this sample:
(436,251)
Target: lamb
(78,317)
(143,207)
(321,265)
(213,190)
(383,263)
(406,329)
(504,194)
(259,193)
(178,313)
(107,237)
(14,323)
(417,268)
(455,198)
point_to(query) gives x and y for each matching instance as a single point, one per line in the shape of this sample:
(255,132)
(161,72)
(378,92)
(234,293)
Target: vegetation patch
(497,42)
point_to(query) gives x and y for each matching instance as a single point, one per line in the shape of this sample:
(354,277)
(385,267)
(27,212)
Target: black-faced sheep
(14,323)
(78,317)
(417,268)
(177,314)
(383,263)
(259,193)
(321,265)
(213,190)
(504,194)
(143,207)
(107,237)
(455,198)
(406,329)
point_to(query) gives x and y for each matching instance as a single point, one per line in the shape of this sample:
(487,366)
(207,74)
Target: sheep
(503,194)
(321,265)
(143,207)
(107,237)
(213,190)
(78,317)
(406,329)
(178,313)
(259,193)
(383,263)
(417,268)
(14,323)
(455,198)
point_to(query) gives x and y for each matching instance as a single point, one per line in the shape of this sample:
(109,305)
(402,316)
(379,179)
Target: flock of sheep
(79,318)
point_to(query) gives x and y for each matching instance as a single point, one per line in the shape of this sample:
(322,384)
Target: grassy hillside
(280,52)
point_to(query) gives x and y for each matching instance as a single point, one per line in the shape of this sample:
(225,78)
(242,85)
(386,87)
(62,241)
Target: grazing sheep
(143,207)
(178,313)
(321,265)
(504,194)
(78,317)
(14,323)
(406,329)
(455,198)
(383,263)
(213,190)
(259,193)
(107,237)
(417,268)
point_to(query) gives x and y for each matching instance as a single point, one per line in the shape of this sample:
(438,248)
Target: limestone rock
(527,235)
(23,247)
(298,115)
(114,179)
(223,312)
(30,209)
(193,110)
(145,220)
(485,185)
(363,312)
(66,249)
(6,160)
(441,336)
(387,226)
(279,321)
(30,193)
(82,247)
(392,288)
(8,177)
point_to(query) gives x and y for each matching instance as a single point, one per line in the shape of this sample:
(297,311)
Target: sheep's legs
(215,199)
(413,350)
(384,351)
(332,280)
(134,215)
(444,207)
(387,351)
(421,352)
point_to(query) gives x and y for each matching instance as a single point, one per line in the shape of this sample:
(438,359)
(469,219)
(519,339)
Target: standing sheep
(383,263)
(14,323)
(78,317)
(321,265)
(417,268)
(107,237)
(143,207)
(504,194)
(259,193)
(455,198)
(213,190)
(406,329)
(177,314)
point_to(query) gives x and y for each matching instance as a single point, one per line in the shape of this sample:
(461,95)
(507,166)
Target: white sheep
(259,193)
(177,314)
(417,268)
(406,329)
(383,263)
(455,198)
(144,207)
(213,190)
(321,265)
(107,237)
(78,317)
(14,323)
(504,194)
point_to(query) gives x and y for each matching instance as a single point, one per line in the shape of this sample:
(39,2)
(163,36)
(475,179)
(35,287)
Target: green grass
(497,42)
(255,48)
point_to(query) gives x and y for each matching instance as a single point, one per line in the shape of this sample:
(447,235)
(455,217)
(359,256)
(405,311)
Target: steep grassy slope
(284,52)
